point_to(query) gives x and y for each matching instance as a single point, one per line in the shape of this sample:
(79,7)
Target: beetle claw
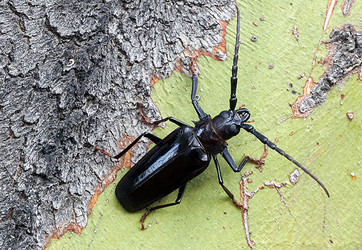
(143,218)
(237,204)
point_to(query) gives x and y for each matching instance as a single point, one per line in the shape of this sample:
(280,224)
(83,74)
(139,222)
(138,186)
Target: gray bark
(345,57)
(71,77)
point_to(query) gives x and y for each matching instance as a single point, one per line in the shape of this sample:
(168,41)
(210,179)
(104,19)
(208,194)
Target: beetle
(187,151)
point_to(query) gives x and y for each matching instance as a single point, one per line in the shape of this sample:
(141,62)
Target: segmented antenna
(271,145)
(234,70)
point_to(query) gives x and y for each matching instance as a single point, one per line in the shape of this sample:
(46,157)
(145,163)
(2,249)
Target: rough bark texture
(345,56)
(71,77)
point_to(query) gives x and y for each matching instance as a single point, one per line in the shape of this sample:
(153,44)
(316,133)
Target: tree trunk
(76,76)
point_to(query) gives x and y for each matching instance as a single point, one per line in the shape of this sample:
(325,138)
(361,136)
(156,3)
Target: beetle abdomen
(170,164)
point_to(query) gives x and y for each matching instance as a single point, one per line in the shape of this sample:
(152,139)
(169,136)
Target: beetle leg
(181,191)
(221,182)
(196,105)
(150,136)
(229,159)
(249,128)
(246,159)
(171,119)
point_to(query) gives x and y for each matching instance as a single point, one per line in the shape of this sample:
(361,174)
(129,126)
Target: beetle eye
(234,130)
(225,114)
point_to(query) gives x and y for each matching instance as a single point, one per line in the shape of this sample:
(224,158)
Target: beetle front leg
(177,201)
(221,182)
(196,105)
(230,161)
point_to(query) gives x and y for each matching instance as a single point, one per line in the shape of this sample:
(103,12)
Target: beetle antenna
(271,145)
(234,70)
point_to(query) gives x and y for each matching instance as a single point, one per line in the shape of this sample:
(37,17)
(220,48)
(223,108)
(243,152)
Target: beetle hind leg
(177,201)
(150,136)
(171,119)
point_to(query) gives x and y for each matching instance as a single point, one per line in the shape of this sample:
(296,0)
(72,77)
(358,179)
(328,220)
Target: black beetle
(187,151)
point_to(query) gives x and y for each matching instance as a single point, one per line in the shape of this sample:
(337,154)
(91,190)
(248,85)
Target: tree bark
(73,77)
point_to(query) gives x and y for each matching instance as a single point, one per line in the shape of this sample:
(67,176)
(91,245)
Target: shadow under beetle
(187,151)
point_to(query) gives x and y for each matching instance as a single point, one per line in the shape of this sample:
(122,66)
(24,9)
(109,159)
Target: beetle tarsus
(103,151)
(180,194)
(237,204)
(143,218)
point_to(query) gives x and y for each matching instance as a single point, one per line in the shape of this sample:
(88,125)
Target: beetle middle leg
(177,201)
(221,182)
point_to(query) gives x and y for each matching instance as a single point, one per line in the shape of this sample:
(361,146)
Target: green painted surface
(326,142)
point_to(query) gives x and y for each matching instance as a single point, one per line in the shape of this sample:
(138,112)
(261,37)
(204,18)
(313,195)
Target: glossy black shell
(153,177)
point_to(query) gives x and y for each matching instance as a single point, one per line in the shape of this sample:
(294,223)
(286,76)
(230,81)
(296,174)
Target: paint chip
(353,176)
(344,58)
(294,177)
(350,115)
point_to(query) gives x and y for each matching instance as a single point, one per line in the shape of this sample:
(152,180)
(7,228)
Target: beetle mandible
(187,151)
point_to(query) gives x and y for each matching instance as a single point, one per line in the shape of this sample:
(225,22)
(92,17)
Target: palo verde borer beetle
(187,151)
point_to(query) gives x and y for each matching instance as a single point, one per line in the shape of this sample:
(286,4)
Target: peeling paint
(346,7)
(295,33)
(350,115)
(72,227)
(353,176)
(344,58)
(218,53)
(294,177)
(245,196)
(331,5)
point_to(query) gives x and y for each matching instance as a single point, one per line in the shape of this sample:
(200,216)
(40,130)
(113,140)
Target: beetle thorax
(212,142)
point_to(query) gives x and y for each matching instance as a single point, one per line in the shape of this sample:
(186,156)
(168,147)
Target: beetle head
(228,123)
